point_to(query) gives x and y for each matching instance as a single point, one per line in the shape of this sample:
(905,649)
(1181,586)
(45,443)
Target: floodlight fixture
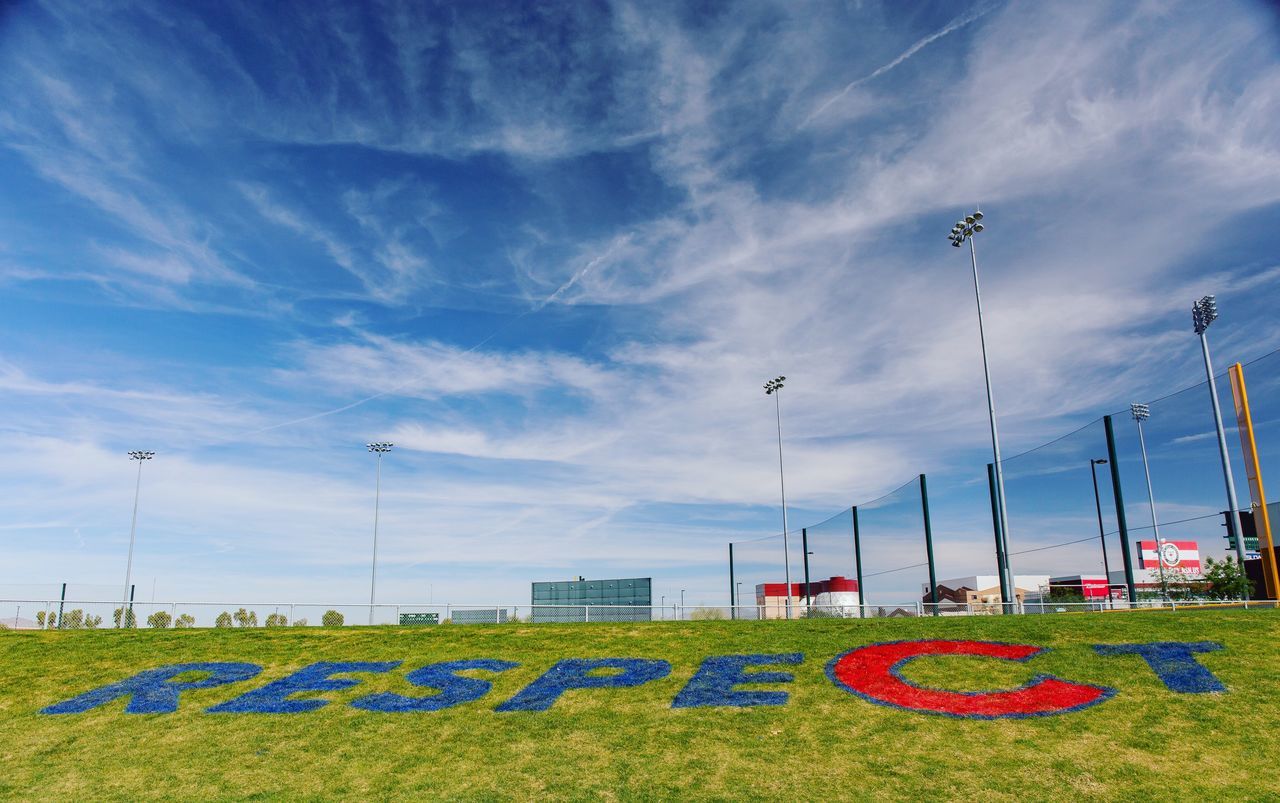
(141,456)
(963,231)
(379,448)
(773,388)
(1142,412)
(1203,313)
(965,228)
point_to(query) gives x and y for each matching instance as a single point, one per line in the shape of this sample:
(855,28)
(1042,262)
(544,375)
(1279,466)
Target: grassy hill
(630,743)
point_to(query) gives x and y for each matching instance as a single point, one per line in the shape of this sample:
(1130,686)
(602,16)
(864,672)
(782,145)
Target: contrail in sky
(955,24)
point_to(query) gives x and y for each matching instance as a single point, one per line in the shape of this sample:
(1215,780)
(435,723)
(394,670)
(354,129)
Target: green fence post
(733,594)
(804,547)
(1001,560)
(1118,495)
(857,564)
(928,543)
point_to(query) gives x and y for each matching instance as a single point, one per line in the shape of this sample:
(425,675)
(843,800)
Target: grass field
(629,743)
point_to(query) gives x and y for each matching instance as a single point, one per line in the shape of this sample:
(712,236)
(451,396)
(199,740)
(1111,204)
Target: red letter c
(872,673)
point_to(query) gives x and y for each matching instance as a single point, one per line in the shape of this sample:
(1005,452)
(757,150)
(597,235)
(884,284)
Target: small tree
(1226,579)
(246,618)
(332,619)
(300,622)
(159,619)
(223,620)
(40,619)
(185,620)
(277,620)
(92,622)
(130,621)
(73,619)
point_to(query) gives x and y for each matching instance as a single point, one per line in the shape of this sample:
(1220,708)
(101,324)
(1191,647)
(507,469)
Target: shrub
(300,622)
(246,618)
(159,619)
(91,622)
(820,613)
(277,620)
(706,613)
(185,620)
(73,619)
(130,621)
(223,620)
(40,619)
(332,619)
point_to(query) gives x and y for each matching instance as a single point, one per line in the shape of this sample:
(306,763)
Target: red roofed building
(835,596)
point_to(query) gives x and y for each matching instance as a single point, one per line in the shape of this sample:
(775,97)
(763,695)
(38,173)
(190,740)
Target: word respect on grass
(872,672)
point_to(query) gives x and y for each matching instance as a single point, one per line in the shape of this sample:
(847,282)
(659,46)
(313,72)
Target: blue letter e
(273,698)
(713,684)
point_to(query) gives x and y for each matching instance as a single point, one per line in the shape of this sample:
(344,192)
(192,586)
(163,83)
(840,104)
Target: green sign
(419,618)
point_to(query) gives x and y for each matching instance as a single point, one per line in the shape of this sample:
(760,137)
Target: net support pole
(857,564)
(928,544)
(733,594)
(1123,523)
(1253,472)
(995,523)
(62,602)
(804,545)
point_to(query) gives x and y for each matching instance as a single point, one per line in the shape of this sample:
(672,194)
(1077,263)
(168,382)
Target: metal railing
(99,614)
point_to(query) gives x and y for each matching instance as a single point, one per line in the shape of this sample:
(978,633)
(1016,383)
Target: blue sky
(553,251)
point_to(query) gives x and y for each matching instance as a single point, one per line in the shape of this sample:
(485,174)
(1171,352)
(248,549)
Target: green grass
(630,743)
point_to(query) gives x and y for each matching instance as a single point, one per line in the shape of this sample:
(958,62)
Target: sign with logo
(872,672)
(1178,556)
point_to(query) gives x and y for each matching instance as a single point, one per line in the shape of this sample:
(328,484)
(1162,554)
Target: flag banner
(1178,556)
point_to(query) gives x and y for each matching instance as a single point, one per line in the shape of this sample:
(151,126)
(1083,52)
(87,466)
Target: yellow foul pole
(1254,471)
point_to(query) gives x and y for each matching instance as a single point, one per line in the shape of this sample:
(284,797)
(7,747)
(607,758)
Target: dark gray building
(625,600)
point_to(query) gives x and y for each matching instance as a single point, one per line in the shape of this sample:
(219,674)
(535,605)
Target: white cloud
(1107,145)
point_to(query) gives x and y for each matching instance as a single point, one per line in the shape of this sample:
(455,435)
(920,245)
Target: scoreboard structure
(1176,556)
(624,600)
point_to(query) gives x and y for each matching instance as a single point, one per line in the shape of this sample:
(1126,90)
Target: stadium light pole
(380,448)
(774,388)
(1203,313)
(1141,412)
(141,457)
(963,230)
(1102,535)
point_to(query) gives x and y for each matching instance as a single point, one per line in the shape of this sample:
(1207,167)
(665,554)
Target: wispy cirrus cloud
(554,253)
